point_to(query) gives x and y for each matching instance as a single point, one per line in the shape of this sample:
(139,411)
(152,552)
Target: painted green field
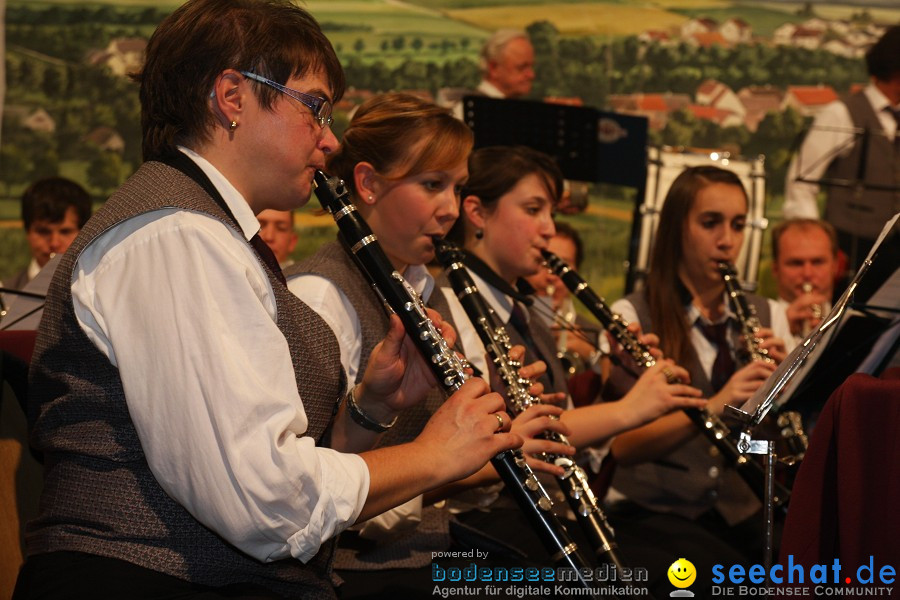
(380,18)
(137,3)
(574,18)
(882,14)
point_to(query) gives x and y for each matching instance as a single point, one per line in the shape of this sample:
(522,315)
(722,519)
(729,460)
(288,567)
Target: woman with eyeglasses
(182,396)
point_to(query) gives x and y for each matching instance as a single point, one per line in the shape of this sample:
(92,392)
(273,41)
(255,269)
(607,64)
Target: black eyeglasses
(321,107)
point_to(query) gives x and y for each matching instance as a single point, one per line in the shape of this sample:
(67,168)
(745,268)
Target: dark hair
(386,128)
(495,170)
(49,199)
(782,227)
(668,319)
(202,38)
(565,230)
(883,58)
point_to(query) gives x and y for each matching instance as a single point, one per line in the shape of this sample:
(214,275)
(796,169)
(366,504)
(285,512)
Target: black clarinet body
(574,482)
(746,316)
(401,299)
(710,425)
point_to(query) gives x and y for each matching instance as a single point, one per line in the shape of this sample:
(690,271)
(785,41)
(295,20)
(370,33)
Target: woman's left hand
(773,345)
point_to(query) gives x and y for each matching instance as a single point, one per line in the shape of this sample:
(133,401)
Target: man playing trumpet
(804,262)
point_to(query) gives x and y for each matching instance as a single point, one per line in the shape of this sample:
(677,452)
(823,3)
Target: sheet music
(781,384)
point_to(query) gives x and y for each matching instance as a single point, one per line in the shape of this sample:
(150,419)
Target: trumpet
(816,308)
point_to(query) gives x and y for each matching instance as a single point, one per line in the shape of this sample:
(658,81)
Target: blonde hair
(385,130)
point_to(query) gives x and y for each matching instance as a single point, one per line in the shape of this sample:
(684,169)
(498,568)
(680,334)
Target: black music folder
(588,144)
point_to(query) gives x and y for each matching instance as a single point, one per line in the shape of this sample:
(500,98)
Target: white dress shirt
(327,299)
(485,88)
(469,341)
(180,304)
(831,135)
(33,269)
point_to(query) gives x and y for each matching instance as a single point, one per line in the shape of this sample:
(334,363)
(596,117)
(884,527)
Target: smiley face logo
(682,573)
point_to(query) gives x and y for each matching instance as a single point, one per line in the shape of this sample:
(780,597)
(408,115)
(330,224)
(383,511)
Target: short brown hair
(386,127)
(51,198)
(495,170)
(782,227)
(202,38)
(883,58)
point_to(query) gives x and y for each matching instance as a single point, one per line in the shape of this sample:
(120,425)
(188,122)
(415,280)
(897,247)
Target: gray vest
(99,494)
(865,214)
(693,478)
(412,549)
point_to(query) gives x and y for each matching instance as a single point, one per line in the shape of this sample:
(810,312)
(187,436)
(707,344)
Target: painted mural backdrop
(744,76)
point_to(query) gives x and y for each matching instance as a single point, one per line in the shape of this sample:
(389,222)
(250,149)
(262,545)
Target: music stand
(588,144)
(27,306)
(872,294)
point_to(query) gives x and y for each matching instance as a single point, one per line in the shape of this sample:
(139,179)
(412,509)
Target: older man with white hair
(507,67)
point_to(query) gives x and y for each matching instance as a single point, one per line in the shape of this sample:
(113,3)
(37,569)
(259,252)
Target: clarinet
(790,423)
(709,424)
(746,316)
(574,481)
(401,299)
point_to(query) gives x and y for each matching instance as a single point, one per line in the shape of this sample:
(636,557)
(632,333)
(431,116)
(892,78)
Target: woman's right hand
(658,391)
(531,424)
(741,386)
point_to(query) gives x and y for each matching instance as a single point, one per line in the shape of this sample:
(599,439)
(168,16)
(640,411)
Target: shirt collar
(499,294)
(693,313)
(420,279)
(500,302)
(490,90)
(877,99)
(33,269)
(242,212)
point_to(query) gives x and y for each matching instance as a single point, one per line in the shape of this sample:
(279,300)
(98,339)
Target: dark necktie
(519,322)
(268,257)
(724,366)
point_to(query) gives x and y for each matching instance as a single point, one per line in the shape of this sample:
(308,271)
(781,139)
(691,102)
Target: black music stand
(26,306)
(844,340)
(588,144)
(863,322)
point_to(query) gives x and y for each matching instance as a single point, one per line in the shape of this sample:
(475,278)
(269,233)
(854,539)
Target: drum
(663,166)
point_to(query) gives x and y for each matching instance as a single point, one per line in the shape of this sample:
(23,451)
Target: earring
(479,233)
(233,126)
(371,198)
